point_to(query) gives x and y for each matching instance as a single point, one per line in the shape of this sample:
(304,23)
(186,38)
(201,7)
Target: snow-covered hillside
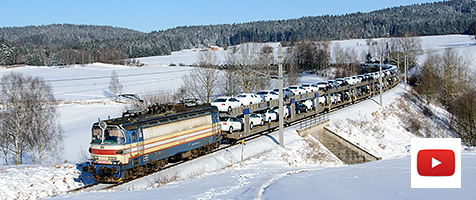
(268,169)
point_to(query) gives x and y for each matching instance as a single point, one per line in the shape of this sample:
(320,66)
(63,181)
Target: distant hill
(61,44)
(64,34)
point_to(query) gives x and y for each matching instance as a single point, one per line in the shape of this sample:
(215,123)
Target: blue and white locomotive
(126,147)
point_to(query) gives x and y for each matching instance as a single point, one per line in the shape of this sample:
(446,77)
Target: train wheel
(147,168)
(133,173)
(204,150)
(162,163)
(128,174)
(209,147)
(156,166)
(140,171)
(195,153)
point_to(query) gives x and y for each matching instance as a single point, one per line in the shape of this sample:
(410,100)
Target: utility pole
(380,80)
(398,61)
(405,66)
(281,102)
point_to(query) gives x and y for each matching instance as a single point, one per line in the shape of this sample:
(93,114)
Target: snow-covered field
(268,172)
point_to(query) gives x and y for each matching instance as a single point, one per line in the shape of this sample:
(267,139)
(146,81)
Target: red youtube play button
(436,162)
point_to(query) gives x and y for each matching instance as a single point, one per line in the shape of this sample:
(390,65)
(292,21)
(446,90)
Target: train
(129,146)
(137,143)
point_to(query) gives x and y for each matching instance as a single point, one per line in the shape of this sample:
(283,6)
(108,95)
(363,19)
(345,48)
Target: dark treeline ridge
(64,44)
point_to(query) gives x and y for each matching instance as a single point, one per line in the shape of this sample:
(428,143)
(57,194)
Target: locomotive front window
(96,136)
(113,136)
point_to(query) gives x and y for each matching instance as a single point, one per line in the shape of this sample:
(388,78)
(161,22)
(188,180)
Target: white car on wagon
(249,98)
(309,87)
(268,95)
(268,115)
(255,120)
(230,124)
(297,89)
(226,104)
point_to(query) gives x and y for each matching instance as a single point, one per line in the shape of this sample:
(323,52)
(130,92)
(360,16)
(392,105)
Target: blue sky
(147,16)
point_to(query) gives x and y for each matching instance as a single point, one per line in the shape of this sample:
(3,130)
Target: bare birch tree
(338,54)
(264,64)
(44,139)
(291,69)
(114,86)
(5,147)
(407,45)
(15,113)
(429,79)
(244,57)
(202,81)
(230,81)
(29,118)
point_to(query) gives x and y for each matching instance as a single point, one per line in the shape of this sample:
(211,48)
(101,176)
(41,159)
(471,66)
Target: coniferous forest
(65,44)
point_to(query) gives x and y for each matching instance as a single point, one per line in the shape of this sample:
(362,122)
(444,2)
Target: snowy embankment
(34,182)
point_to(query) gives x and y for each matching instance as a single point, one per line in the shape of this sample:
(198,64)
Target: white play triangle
(434,162)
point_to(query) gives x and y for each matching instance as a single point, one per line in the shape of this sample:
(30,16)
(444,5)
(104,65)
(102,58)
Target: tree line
(65,44)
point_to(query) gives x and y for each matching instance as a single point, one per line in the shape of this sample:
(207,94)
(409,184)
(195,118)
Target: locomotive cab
(108,145)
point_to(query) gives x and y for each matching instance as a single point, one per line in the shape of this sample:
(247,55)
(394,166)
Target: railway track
(103,186)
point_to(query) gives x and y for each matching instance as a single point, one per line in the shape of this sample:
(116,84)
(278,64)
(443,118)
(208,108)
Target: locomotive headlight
(95,157)
(111,158)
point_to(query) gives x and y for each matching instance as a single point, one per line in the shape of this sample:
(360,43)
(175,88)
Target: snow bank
(33,182)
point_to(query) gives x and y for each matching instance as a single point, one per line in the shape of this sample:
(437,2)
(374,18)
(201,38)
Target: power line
(104,83)
(103,77)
